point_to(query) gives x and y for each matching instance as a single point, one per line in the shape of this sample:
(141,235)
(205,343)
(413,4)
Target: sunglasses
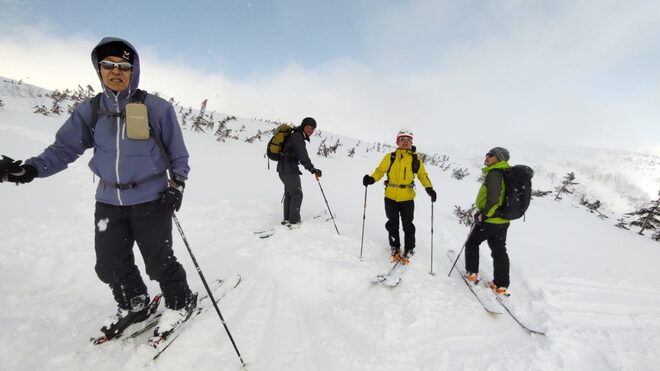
(490,154)
(123,66)
(405,139)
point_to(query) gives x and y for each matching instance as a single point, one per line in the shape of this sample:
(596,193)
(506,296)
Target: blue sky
(493,72)
(239,38)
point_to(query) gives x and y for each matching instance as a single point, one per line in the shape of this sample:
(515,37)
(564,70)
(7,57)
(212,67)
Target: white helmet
(404,133)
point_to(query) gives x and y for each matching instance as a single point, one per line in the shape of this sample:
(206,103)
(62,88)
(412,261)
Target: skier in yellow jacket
(401,167)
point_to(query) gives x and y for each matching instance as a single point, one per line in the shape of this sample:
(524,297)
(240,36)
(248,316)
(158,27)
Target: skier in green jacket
(488,226)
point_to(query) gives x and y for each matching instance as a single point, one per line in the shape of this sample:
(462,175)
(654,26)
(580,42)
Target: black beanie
(114,49)
(308,121)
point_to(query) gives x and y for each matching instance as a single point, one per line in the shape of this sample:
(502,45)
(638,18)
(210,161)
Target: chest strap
(125,186)
(389,184)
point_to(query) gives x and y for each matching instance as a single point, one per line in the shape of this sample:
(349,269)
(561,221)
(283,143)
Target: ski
(485,303)
(392,277)
(148,323)
(215,285)
(265,233)
(502,299)
(162,343)
(506,308)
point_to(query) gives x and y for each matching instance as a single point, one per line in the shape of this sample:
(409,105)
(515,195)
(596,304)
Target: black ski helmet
(308,121)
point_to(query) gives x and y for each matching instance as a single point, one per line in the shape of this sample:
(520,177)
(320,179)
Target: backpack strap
(498,211)
(96,107)
(387,181)
(124,186)
(415,163)
(288,155)
(392,158)
(139,96)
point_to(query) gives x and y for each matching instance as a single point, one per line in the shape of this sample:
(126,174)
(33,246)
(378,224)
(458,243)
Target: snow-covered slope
(306,301)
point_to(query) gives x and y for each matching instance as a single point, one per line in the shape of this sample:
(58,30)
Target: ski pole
(462,248)
(206,286)
(364,218)
(328,206)
(431,272)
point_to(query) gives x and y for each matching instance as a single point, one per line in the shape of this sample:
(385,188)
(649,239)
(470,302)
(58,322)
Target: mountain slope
(306,301)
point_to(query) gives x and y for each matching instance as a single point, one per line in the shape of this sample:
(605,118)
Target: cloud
(572,73)
(47,61)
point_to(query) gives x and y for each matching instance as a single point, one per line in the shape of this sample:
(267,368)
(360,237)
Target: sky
(575,73)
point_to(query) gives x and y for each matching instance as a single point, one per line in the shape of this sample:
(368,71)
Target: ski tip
(98,340)
(238,280)
(393,283)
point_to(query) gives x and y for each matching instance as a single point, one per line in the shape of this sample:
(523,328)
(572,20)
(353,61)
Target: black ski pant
(117,228)
(293,197)
(405,210)
(495,234)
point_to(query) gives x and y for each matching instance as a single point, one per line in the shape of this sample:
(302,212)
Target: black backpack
(518,191)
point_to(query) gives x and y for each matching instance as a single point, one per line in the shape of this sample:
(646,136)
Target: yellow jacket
(401,176)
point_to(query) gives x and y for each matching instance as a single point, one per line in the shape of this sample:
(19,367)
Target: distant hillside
(621,181)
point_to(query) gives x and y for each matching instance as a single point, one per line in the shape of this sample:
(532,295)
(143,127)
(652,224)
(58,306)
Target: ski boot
(171,320)
(498,290)
(407,254)
(115,325)
(395,255)
(472,277)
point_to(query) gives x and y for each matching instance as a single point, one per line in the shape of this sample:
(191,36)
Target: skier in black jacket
(294,152)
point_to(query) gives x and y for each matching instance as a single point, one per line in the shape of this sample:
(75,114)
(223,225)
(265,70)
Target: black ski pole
(431,272)
(462,248)
(364,218)
(206,286)
(328,206)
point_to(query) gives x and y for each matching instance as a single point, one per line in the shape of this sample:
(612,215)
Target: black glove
(479,217)
(317,172)
(5,163)
(367,180)
(431,193)
(173,196)
(12,171)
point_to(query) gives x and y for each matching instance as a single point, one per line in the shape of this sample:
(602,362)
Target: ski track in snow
(306,301)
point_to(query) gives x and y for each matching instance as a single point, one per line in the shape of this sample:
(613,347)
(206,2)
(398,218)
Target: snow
(306,301)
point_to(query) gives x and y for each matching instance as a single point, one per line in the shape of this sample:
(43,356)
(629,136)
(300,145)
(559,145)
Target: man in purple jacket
(135,198)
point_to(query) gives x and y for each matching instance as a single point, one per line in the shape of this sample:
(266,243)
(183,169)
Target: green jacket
(491,193)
